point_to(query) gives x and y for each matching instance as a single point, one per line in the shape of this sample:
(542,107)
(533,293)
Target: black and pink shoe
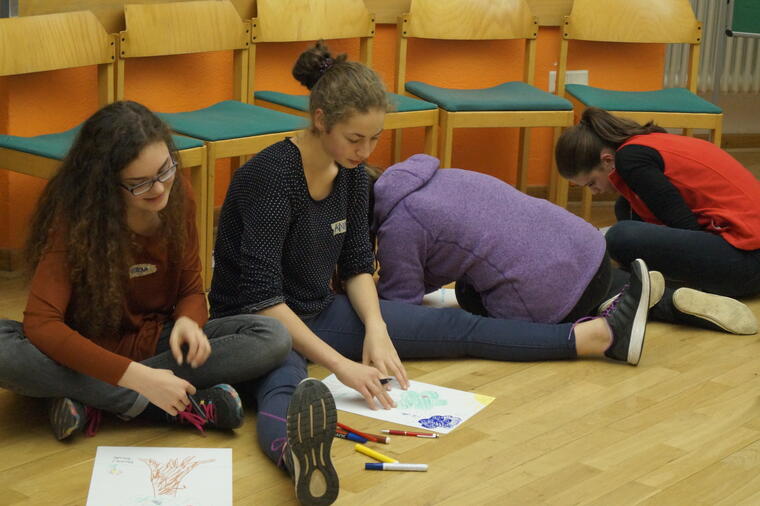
(68,416)
(216,407)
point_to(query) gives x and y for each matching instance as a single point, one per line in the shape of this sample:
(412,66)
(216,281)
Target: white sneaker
(724,312)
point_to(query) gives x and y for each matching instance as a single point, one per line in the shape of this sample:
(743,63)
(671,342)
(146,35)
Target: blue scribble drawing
(420,400)
(440,421)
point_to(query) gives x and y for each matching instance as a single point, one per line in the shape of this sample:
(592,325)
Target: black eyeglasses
(145,186)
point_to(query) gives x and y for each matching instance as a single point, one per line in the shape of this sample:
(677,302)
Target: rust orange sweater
(155,293)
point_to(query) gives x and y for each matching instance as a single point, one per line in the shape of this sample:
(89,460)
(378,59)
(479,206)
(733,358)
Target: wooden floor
(682,428)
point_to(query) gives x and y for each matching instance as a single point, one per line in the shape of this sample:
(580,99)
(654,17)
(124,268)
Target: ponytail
(579,147)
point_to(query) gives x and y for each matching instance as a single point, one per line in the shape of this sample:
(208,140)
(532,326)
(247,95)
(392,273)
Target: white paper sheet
(424,406)
(144,476)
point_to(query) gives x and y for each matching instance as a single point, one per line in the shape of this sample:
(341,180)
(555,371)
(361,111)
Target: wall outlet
(571,77)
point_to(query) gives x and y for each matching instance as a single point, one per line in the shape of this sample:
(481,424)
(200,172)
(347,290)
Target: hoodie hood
(400,180)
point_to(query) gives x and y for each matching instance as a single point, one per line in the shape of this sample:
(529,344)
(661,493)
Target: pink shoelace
(94,417)
(198,420)
(281,443)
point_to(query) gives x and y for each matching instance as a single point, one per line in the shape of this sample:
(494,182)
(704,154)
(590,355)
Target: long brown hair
(340,88)
(579,147)
(84,203)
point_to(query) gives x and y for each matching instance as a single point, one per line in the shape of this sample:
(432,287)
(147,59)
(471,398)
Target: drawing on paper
(438,422)
(423,405)
(426,399)
(167,478)
(145,476)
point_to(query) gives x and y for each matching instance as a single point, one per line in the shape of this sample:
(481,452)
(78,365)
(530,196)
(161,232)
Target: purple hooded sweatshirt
(528,258)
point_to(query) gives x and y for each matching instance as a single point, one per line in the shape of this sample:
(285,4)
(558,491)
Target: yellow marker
(372,453)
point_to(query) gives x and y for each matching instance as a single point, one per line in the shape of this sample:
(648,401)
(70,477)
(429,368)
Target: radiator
(740,61)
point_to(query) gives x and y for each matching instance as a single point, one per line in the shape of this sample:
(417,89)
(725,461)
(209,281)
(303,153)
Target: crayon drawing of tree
(167,477)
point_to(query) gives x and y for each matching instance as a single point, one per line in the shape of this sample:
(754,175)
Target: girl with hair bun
(116,318)
(297,211)
(687,207)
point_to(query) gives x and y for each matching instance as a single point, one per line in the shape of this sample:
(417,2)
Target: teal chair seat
(511,96)
(667,100)
(232,120)
(56,145)
(399,103)
(53,146)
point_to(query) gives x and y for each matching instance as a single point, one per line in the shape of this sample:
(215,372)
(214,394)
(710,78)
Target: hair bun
(313,63)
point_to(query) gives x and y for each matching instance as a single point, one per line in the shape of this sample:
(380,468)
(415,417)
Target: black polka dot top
(276,244)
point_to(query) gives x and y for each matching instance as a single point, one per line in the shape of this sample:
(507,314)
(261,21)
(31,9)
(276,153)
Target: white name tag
(339,227)
(140,270)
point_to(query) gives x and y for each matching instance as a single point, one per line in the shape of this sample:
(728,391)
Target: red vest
(720,191)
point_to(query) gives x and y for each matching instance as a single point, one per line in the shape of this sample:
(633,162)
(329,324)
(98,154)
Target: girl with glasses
(116,318)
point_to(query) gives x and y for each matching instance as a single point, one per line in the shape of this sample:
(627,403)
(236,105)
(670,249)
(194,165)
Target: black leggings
(697,259)
(595,293)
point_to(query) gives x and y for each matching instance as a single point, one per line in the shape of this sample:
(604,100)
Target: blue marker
(351,436)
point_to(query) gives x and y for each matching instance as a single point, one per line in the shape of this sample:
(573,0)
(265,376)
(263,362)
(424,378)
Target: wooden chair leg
(396,145)
(563,188)
(586,204)
(558,186)
(717,134)
(523,152)
(431,140)
(239,161)
(447,141)
(199,180)
(210,182)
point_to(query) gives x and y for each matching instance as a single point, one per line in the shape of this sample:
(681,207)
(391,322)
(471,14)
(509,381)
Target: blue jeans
(417,332)
(243,347)
(699,259)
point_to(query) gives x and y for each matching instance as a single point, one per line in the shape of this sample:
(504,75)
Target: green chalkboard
(746,17)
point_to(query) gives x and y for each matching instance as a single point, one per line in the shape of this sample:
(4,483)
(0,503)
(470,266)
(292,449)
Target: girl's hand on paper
(366,381)
(379,351)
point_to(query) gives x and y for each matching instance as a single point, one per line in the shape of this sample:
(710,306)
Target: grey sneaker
(627,317)
(311,422)
(656,290)
(724,313)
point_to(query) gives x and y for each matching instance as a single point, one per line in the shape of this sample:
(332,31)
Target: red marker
(405,433)
(369,437)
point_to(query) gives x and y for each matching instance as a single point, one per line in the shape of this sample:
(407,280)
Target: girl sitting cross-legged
(116,318)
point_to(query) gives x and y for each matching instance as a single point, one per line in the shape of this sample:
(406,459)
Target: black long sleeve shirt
(276,244)
(643,170)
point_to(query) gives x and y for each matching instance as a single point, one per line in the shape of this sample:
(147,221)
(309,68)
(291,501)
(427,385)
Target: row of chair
(258,118)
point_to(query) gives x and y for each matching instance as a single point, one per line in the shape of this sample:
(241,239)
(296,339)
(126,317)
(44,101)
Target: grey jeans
(243,347)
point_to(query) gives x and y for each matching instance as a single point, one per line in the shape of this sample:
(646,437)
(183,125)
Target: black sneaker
(217,407)
(311,424)
(627,317)
(68,416)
